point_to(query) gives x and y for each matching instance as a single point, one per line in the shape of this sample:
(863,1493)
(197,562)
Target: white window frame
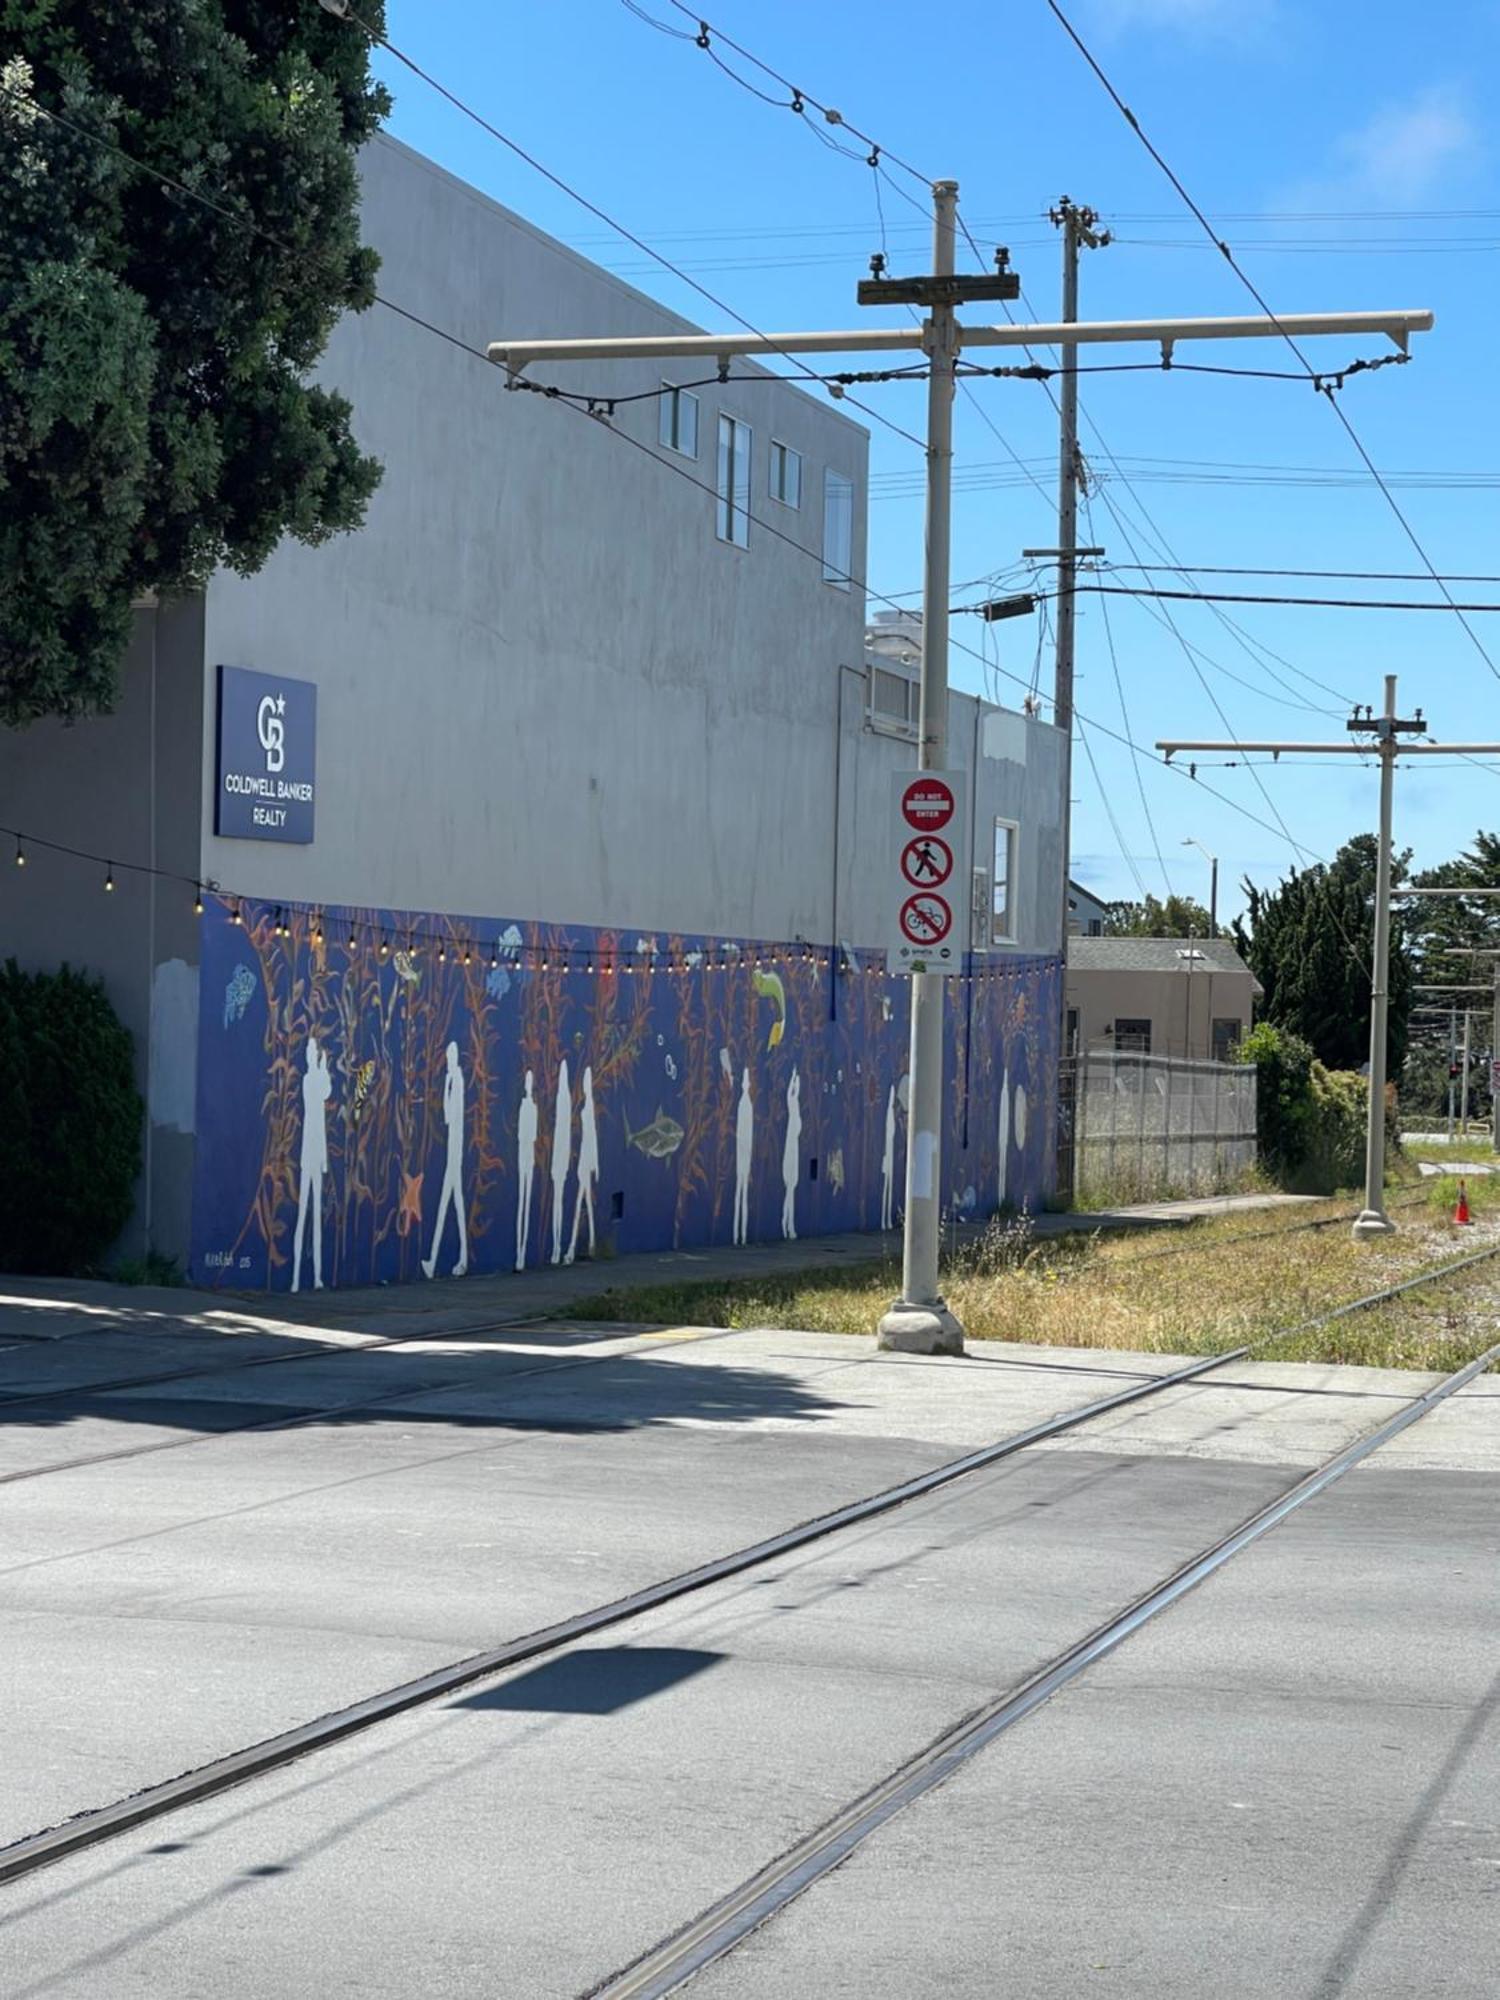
(1002,927)
(880,720)
(732,481)
(786,460)
(674,402)
(838,492)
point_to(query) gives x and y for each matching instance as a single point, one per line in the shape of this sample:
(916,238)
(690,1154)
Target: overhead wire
(1333,401)
(671,465)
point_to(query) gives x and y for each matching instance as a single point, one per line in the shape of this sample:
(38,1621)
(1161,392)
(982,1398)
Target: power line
(1229,257)
(1323,575)
(1253,597)
(380,40)
(453,340)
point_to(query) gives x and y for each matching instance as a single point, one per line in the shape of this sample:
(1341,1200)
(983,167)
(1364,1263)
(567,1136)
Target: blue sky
(1345,151)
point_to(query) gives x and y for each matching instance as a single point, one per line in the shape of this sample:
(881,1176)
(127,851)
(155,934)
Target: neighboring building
(1087,913)
(543,824)
(1183,997)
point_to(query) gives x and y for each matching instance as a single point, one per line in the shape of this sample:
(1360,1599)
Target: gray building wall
(124,786)
(544,686)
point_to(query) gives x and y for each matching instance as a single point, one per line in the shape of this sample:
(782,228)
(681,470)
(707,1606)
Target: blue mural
(382,1096)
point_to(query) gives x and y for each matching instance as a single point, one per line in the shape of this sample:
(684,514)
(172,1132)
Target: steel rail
(103,1823)
(764,1895)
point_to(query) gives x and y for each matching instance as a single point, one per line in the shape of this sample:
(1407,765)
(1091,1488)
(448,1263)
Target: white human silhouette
(744,1144)
(525,1168)
(317,1088)
(452,1195)
(588,1163)
(1003,1170)
(562,1155)
(791,1155)
(888,1164)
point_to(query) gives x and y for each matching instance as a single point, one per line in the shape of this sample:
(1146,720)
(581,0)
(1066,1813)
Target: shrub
(1310,1120)
(70,1121)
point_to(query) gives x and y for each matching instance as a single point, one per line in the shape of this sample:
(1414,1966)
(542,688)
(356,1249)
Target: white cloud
(1398,156)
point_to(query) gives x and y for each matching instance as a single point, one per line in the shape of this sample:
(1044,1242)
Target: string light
(385,945)
(20,853)
(234,915)
(198,899)
(109,880)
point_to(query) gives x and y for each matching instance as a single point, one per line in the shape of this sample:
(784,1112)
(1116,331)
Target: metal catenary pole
(1463,1080)
(920,1321)
(1387,729)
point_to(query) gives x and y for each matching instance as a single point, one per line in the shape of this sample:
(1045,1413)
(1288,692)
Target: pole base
(1371,1222)
(910,1329)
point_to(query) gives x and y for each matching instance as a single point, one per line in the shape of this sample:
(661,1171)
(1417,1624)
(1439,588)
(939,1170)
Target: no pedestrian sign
(925,871)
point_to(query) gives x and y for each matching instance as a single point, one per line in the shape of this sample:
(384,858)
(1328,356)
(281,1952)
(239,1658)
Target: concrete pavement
(528,1837)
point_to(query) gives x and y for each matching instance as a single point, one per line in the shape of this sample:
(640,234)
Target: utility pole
(1213,882)
(1387,729)
(920,1321)
(1463,1080)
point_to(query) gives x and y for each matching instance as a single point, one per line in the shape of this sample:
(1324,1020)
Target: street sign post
(926,875)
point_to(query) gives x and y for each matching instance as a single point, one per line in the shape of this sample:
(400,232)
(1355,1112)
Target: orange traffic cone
(1461,1213)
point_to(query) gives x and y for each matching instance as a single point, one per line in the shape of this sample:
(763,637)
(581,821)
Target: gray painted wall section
(125,786)
(544,685)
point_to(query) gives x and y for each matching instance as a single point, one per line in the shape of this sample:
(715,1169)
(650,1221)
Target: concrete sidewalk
(59,1308)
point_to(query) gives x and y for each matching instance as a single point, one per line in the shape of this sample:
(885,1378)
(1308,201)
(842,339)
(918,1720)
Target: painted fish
(658,1140)
(726,1065)
(237,994)
(406,967)
(768,985)
(364,1076)
(836,1170)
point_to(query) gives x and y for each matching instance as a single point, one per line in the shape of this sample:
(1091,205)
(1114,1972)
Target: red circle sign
(927,862)
(925,919)
(927,804)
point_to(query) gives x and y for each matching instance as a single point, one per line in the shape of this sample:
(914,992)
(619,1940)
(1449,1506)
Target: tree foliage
(1310,941)
(155,414)
(1178,916)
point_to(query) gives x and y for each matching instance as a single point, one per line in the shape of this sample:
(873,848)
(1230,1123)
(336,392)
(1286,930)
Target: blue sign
(268,755)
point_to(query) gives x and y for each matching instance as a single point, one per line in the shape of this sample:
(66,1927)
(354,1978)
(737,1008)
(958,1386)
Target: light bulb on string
(20,853)
(385,945)
(235,916)
(109,879)
(198,899)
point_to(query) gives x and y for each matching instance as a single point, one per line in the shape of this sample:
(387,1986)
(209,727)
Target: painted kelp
(382,1097)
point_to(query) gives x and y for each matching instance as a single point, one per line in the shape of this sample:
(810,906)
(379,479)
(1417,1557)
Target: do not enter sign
(927,804)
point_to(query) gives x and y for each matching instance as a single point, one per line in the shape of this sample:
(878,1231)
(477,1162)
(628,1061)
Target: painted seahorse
(768,985)
(364,1076)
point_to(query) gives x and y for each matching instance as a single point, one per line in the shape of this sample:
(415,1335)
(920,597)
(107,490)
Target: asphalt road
(1293,1771)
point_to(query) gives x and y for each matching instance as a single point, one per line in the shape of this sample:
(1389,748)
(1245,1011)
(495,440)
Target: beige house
(1185,997)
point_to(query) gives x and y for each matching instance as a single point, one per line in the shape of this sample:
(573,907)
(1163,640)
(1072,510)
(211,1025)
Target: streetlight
(1213,882)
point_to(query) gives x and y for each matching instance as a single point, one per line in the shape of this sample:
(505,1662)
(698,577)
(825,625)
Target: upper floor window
(786,474)
(679,420)
(1002,884)
(838,529)
(733,487)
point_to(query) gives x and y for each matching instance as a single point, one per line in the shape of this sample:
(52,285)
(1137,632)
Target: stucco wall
(1181,1007)
(124,786)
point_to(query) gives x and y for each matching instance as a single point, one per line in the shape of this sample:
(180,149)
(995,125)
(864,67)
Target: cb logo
(270,727)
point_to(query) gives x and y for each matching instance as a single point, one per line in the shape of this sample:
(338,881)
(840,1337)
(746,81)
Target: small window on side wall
(733,484)
(679,420)
(838,529)
(786,474)
(1002,883)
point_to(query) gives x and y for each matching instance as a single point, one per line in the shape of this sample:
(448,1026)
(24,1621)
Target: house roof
(1143,954)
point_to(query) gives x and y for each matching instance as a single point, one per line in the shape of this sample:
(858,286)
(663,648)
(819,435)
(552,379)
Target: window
(1070,1035)
(734,482)
(1133,1037)
(1096,927)
(679,421)
(1002,884)
(838,529)
(1227,1038)
(786,474)
(893,702)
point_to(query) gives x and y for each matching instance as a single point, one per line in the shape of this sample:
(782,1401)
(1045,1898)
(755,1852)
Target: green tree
(155,414)
(1309,942)
(1178,916)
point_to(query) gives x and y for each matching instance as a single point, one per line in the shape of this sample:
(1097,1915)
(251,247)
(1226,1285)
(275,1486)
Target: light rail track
(102,1824)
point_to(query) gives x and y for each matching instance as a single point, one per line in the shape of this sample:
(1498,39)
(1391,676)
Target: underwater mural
(383,1096)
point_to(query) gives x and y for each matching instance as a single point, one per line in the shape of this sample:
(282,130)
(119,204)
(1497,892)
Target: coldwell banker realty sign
(268,754)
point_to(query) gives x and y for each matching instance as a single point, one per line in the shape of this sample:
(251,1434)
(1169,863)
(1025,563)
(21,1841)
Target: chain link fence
(1146,1128)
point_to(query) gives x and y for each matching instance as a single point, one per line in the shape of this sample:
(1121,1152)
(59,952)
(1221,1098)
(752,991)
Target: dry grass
(1216,1286)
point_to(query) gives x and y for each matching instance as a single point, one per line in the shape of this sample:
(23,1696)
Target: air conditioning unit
(894,703)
